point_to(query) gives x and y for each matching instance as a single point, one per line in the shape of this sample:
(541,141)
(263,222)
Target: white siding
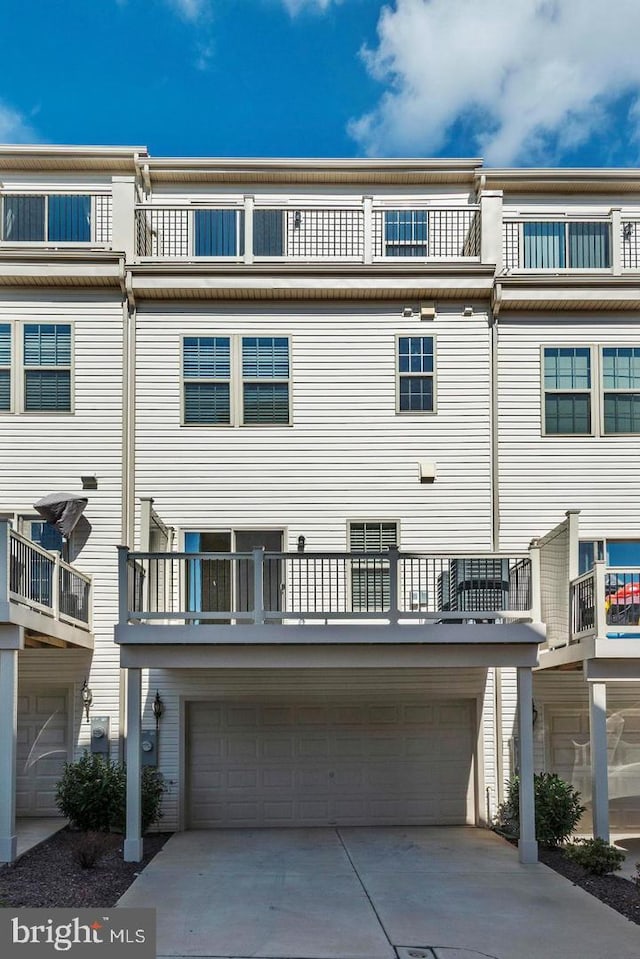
(543,476)
(49,453)
(348,455)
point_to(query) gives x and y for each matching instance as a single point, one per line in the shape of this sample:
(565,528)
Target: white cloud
(524,76)
(296,6)
(14,128)
(189,9)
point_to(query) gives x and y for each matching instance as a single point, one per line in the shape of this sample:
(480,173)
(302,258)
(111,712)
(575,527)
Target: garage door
(293,764)
(43,749)
(569,756)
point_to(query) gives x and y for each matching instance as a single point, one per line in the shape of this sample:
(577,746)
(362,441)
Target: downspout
(495,532)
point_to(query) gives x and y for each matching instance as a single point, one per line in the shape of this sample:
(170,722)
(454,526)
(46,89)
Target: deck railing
(359,233)
(42,580)
(605,603)
(294,588)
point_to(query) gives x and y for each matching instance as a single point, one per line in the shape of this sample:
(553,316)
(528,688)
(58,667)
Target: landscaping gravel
(621,894)
(50,874)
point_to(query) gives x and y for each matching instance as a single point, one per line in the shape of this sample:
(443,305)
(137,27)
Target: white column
(8,738)
(124,225)
(491,228)
(527,845)
(599,759)
(133,838)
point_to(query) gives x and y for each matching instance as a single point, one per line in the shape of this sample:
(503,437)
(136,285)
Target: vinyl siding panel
(543,476)
(49,453)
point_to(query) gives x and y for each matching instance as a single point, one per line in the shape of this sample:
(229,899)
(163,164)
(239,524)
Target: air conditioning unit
(474,584)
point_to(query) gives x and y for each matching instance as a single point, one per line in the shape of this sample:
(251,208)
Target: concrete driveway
(379,893)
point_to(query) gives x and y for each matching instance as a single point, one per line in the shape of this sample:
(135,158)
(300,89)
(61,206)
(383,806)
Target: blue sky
(553,82)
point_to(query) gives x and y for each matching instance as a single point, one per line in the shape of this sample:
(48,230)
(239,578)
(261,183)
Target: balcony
(356,234)
(56,220)
(177,601)
(605,604)
(48,598)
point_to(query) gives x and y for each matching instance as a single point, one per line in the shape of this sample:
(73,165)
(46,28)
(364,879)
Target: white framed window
(406,233)
(620,389)
(52,218)
(415,382)
(579,245)
(567,385)
(236,381)
(36,367)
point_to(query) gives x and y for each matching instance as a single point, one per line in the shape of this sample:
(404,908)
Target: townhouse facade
(365,434)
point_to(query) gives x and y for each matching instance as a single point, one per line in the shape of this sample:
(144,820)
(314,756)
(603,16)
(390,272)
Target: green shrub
(92,794)
(557,809)
(595,855)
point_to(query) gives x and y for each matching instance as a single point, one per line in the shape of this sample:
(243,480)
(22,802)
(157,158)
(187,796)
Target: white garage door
(362,763)
(43,749)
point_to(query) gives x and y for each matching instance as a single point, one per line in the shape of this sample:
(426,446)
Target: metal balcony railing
(361,234)
(295,588)
(60,220)
(42,581)
(605,603)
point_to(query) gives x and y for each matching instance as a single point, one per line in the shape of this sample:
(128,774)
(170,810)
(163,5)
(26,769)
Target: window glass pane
(567,368)
(265,356)
(23,218)
(70,218)
(47,344)
(568,413)
(216,233)
(416,394)
(207,356)
(369,537)
(207,403)
(623,552)
(268,238)
(406,232)
(266,403)
(589,551)
(589,245)
(621,367)
(47,391)
(415,354)
(543,245)
(5,344)
(5,390)
(46,535)
(622,412)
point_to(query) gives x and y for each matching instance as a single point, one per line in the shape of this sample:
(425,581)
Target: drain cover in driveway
(440,952)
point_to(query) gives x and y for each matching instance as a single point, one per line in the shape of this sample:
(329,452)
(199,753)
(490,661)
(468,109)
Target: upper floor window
(230,381)
(219,233)
(5,367)
(621,389)
(57,218)
(415,374)
(405,233)
(47,367)
(567,390)
(553,245)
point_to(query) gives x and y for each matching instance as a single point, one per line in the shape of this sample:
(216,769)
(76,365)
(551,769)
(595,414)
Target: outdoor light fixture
(297,220)
(301,542)
(89,481)
(534,713)
(87,697)
(158,708)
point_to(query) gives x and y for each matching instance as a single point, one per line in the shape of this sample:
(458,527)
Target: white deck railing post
(367,204)
(5,569)
(56,576)
(599,598)
(536,583)
(258,586)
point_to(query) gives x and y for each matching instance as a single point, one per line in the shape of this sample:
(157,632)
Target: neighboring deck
(49,600)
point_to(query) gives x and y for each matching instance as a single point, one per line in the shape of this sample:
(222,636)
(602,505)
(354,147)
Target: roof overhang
(43,268)
(567,180)
(566,292)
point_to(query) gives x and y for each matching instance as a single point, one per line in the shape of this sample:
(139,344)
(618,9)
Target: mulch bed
(50,874)
(621,894)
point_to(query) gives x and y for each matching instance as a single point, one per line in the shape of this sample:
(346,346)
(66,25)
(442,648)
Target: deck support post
(527,845)
(599,759)
(133,842)
(8,741)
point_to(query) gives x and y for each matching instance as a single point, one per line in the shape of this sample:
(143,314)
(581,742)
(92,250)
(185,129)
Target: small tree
(92,794)
(557,809)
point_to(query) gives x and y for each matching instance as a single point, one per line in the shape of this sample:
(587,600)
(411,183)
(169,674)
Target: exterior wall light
(87,697)
(301,542)
(158,709)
